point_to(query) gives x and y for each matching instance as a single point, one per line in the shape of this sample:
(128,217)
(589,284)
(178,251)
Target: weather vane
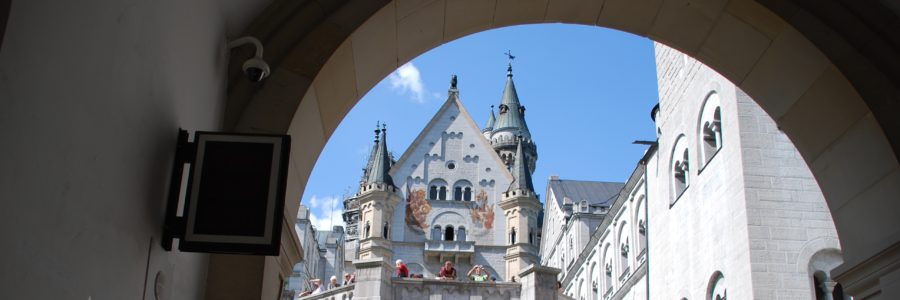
(510,56)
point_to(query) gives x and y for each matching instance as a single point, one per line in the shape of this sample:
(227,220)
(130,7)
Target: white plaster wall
(452,137)
(622,215)
(91,96)
(705,230)
(552,231)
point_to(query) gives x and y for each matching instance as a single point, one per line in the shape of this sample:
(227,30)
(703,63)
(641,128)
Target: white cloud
(325,212)
(407,80)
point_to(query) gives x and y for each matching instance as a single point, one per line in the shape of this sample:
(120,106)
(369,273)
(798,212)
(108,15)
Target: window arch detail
(437,190)
(709,131)
(717,288)
(680,169)
(462,191)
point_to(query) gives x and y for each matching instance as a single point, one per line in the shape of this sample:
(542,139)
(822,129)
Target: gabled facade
(452,181)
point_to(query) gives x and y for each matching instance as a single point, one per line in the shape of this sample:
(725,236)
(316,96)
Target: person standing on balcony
(333,284)
(402,270)
(447,272)
(348,279)
(480,274)
(317,287)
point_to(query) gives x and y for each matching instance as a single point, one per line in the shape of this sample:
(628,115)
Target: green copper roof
(522,179)
(380,163)
(510,114)
(491,121)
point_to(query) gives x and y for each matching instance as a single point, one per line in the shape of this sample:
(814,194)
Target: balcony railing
(341,293)
(413,288)
(450,246)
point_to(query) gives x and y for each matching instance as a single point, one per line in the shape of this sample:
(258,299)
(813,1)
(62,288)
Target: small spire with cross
(510,58)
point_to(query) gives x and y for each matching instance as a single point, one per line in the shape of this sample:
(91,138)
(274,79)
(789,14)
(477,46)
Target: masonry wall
(91,97)
(790,225)
(704,230)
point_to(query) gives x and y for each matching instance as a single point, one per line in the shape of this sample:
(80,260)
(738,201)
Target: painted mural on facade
(482,212)
(417,209)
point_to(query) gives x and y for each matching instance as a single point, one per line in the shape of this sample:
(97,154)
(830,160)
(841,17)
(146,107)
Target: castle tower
(521,209)
(489,127)
(510,127)
(377,198)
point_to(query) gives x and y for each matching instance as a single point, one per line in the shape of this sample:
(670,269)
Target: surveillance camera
(256,69)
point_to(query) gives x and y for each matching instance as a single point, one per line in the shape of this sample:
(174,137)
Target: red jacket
(402,271)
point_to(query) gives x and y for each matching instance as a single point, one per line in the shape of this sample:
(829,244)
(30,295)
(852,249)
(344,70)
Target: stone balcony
(341,293)
(450,250)
(413,288)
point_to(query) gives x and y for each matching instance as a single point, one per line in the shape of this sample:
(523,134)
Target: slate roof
(522,179)
(512,118)
(595,192)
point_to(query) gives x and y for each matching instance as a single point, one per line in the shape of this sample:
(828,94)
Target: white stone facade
(450,152)
(732,207)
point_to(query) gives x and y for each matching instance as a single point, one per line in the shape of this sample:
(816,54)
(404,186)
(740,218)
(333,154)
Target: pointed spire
(380,162)
(522,179)
(512,113)
(490,123)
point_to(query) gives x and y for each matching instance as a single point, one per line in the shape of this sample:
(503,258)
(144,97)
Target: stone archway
(835,98)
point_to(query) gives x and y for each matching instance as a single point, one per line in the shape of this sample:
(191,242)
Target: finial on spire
(453,81)
(510,58)
(377,130)
(383,127)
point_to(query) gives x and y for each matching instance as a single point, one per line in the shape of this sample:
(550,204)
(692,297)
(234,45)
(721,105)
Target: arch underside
(826,71)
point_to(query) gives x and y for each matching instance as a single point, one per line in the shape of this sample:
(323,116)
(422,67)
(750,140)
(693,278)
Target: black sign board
(235,195)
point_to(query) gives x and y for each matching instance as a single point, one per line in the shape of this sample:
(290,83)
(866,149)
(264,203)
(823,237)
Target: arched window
(608,281)
(437,190)
(680,169)
(623,260)
(642,236)
(436,233)
(531,236)
(512,236)
(461,234)
(367,229)
(717,289)
(624,248)
(462,190)
(710,128)
(448,233)
(571,248)
(595,277)
(386,229)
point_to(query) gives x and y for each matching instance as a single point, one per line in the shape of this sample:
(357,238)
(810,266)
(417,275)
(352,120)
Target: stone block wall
(789,221)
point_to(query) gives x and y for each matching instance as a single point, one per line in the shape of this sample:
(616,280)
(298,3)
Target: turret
(522,210)
(510,127)
(489,127)
(377,198)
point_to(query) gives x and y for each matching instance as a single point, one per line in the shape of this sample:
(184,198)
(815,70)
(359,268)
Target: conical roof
(520,171)
(380,162)
(490,123)
(511,111)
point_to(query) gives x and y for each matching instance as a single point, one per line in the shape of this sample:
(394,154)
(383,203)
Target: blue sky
(588,93)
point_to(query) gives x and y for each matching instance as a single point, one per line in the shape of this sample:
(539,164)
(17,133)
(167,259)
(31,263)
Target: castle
(721,203)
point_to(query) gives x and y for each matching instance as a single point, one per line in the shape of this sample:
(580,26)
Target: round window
(451,166)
